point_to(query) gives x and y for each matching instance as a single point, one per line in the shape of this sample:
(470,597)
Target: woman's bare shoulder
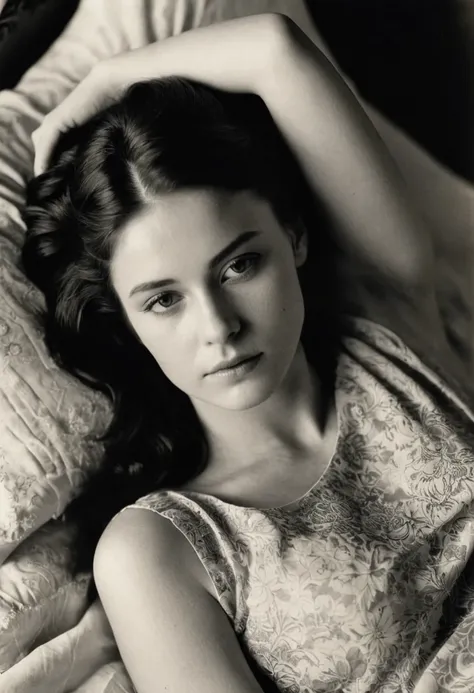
(171,633)
(142,534)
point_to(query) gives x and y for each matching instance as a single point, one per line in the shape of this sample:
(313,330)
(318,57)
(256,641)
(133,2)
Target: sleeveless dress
(356,586)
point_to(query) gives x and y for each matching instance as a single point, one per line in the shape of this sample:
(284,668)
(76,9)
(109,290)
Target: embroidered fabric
(346,588)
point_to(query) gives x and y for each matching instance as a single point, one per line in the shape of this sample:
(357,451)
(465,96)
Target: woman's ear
(298,236)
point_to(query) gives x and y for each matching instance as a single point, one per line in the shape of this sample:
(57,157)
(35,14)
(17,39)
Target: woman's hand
(234,56)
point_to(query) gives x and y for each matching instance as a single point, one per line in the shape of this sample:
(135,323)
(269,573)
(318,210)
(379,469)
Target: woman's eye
(245,264)
(160,300)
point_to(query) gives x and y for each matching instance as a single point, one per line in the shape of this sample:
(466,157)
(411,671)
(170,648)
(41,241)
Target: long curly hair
(161,136)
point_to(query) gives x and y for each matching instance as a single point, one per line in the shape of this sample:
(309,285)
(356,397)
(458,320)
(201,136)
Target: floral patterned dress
(356,586)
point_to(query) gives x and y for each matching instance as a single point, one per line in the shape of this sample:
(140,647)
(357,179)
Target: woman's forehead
(187,226)
(194,217)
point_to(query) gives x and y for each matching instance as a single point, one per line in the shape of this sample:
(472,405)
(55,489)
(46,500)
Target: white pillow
(38,597)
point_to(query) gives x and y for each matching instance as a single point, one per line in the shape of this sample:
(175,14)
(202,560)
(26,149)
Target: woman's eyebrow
(221,255)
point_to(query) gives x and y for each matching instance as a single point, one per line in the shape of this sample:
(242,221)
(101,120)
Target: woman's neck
(287,426)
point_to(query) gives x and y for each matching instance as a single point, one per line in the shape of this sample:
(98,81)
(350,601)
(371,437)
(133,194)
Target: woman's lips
(243,368)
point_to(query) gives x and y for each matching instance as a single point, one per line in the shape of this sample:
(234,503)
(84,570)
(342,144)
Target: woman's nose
(218,319)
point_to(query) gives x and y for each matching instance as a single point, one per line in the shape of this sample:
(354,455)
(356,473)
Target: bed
(52,640)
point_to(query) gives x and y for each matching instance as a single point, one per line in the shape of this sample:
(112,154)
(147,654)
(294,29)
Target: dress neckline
(293,505)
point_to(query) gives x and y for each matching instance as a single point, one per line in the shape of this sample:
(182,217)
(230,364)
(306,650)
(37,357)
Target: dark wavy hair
(163,135)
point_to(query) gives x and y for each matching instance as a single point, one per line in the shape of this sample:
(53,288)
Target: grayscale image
(236,346)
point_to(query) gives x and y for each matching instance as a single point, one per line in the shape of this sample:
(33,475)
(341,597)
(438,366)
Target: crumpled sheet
(85,658)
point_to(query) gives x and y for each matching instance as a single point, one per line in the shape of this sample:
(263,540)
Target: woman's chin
(244,395)
(241,403)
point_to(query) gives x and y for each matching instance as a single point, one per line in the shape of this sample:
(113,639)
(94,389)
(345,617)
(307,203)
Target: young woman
(302,445)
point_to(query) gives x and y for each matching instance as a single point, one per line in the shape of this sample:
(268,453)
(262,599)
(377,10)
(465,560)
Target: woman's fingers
(44,140)
(89,97)
(74,110)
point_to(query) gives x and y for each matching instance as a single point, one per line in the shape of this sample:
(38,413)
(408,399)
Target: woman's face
(205,276)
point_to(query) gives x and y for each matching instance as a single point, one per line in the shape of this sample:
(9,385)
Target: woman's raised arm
(346,161)
(329,132)
(233,56)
